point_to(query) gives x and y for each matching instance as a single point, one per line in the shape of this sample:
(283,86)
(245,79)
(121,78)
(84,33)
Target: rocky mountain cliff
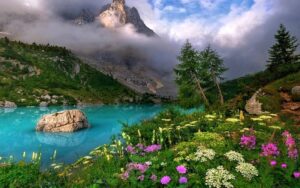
(118,14)
(128,66)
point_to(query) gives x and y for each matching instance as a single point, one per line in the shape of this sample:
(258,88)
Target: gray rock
(65,121)
(8,104)
(253,106)
(296,93)
(43,104)
(46,97)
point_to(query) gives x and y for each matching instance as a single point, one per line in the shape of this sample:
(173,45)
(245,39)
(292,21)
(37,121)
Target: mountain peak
(118,14)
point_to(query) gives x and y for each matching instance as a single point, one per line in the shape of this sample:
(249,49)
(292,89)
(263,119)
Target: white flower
(149,163)
(247,170)
(218,178)
(204,154)
(234,156)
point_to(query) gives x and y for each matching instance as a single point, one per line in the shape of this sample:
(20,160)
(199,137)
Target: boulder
(43,104)
(65,121)
(7,104)
(296,93)
(253,106)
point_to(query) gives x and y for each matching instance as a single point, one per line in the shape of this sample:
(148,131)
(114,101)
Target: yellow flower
(232,120)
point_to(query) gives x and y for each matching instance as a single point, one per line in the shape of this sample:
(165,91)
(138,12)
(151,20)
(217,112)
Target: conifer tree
(282,53)
(191,73)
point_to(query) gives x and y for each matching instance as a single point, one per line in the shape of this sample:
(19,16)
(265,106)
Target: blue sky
(211,9)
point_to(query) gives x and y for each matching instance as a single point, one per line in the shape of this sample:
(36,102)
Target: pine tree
(282,53)
(191,73)
(215,66)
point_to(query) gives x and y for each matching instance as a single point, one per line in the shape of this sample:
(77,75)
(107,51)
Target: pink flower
(293,153)
(153,177)
(297,175)
(248,142)
(273,163)
(183,180)
(130,149)
(152,148)
(181,169)
(141,178)
(283,165)
(125,175)
(290,144)
(165,180)
(269,149)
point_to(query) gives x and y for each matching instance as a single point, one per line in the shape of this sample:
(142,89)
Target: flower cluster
(204,154)
(290,144)
(152,148)
(219,177)
(247,170)
(248,142)
(269,149)
(234,156)
(165,180)
(141,149)
(142,168)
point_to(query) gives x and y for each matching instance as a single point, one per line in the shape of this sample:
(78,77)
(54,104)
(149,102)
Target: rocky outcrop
(7,104)
(65,121)
(85,17)
(290,105)
(296,93)
(253,106)
(118,14)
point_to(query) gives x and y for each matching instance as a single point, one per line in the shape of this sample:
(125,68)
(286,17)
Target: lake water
(18,135)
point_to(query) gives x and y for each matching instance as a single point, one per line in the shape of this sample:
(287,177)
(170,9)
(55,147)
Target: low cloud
(242,35)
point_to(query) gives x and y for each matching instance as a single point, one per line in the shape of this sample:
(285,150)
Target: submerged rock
(65,121)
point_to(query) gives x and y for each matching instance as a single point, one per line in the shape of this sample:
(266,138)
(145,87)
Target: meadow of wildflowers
(177,150)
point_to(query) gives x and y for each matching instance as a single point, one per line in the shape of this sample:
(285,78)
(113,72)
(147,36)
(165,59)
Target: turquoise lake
(18,135)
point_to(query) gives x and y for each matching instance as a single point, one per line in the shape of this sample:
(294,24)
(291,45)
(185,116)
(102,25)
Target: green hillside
(271,98)
(31,74)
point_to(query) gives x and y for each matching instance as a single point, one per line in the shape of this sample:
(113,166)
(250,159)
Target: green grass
(29,71)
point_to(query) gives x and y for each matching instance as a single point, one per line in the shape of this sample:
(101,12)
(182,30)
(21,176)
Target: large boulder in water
(65,121)
(296,93)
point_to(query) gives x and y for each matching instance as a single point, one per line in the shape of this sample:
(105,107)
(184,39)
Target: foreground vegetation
(177,150)
(31,74)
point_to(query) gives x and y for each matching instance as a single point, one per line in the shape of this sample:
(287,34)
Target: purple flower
(181,169)
(297,175)
(130,149)
(152,148)
(269,149)
(273,163)
(141,178)
(183,180)
(283,165)
(248,142)
(153,177)
(165,180)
